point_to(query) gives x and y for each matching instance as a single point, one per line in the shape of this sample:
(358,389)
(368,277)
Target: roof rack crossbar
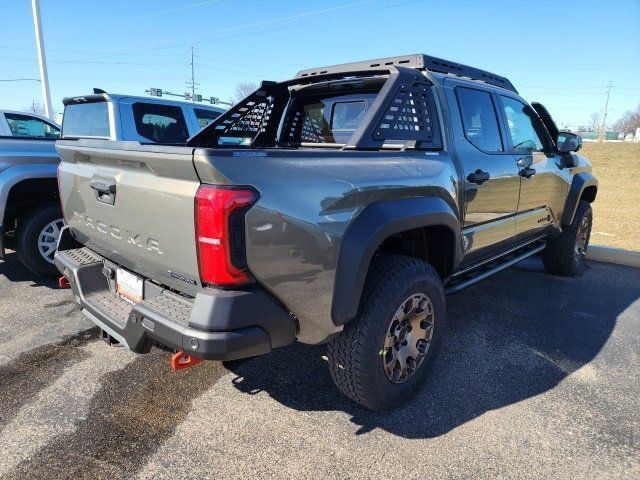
(418,61)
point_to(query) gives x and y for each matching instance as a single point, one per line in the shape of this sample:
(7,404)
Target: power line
(19,80)
(162,12)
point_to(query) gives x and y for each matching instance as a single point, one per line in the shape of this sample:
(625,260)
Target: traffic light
(155,92)
(198,97)
(214,100)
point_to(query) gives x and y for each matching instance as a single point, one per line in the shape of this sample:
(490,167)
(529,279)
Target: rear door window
(205,117)
(28,126)
(479,119)
(160,123)
(86,120)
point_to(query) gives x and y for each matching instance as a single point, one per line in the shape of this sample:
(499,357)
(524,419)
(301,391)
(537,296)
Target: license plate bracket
(129,287)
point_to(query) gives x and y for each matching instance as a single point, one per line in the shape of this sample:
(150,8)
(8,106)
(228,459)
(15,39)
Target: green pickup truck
(338,207)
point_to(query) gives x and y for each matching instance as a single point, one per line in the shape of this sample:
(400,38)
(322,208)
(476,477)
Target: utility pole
(44,78)
(606,106)
(193,80)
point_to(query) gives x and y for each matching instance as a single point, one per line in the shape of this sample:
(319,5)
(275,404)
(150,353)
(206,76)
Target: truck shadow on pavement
(510,338)
(14,271)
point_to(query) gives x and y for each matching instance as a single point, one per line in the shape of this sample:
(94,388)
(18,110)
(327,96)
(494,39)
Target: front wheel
(37,239)
(380,358)
(564,255)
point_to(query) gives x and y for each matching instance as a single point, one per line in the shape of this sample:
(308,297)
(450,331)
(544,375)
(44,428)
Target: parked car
(30,218)
(339,206)
(29,205)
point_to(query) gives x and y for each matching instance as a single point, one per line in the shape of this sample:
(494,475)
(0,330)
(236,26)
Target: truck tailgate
(134,204)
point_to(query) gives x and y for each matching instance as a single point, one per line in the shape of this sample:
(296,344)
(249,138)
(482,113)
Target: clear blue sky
(562,53)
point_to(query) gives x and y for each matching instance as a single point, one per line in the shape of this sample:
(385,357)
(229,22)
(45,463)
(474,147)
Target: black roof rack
(418,61)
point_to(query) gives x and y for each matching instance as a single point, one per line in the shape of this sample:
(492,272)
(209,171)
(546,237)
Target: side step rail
(492,268)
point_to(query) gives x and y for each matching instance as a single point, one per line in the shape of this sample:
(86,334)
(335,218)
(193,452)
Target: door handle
(527,172)
(478,177)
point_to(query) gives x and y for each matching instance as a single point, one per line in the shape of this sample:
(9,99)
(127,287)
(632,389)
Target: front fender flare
(366,233)
(579,183)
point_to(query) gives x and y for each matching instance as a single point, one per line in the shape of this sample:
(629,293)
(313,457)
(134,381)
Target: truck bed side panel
(307,201)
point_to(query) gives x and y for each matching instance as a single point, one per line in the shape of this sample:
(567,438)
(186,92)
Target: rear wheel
(381,357)
(37,239)
(564,255)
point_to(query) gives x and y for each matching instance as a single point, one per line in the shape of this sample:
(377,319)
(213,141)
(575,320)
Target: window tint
(86,120)
(160,123)
(479,119)
(28,126)
(521,127)
(327,120)
(347,115)
(205,117)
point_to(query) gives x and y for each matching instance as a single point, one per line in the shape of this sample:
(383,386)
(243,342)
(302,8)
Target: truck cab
(129,118)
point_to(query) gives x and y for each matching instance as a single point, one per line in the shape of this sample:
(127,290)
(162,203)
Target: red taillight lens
(219,216)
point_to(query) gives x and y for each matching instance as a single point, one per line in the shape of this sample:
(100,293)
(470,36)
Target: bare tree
(628,122)
(243,90)
(36,107)
(595,120)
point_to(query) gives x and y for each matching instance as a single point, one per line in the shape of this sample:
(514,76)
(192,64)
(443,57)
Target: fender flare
(14,175)
(580,182)
(366,233)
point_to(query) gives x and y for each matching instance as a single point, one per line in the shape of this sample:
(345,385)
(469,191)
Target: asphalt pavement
(537,377)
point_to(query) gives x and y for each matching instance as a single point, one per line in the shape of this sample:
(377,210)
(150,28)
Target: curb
(599,253)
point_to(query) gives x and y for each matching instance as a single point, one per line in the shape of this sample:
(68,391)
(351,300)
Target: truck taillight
(219,218)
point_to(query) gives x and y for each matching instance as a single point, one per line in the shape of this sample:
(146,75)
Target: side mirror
(569,142)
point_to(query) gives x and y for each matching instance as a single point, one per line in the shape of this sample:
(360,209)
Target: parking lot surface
(537,378)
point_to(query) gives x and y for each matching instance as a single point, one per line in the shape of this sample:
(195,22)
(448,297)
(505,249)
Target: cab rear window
(328,120)
(86,120)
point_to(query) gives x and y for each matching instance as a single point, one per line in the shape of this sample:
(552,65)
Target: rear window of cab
(86,120)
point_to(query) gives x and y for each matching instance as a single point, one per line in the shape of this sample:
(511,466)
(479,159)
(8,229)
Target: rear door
(134,205)
(543,188)
(491,182)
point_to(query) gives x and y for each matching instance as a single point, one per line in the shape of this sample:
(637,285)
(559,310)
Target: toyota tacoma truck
(338,207)
(30,215)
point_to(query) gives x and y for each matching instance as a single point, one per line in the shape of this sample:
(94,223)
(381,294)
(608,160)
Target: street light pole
(44,78)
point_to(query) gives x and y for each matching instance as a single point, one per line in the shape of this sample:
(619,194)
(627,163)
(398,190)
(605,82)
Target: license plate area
(129,286)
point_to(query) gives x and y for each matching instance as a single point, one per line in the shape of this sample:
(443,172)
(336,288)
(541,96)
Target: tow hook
(181,360)
(63,282)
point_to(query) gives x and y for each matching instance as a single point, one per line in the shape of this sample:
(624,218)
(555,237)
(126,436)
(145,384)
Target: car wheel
(564,255)
(383,355)
(37,239)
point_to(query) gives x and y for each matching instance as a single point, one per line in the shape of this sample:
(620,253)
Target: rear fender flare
(580,182)
(366,233)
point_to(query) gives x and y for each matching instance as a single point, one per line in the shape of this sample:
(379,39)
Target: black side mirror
(569,142)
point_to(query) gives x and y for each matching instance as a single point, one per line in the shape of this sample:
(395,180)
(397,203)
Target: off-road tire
(354,355)
(27,236)
(560,256)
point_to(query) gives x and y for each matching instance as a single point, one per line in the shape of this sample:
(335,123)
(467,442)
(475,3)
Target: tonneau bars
(418,61)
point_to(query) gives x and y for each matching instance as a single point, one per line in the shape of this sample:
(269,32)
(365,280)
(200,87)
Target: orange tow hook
(181,360)
(63,282)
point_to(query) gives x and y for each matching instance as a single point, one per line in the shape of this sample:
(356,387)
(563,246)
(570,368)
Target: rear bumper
(215,325)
